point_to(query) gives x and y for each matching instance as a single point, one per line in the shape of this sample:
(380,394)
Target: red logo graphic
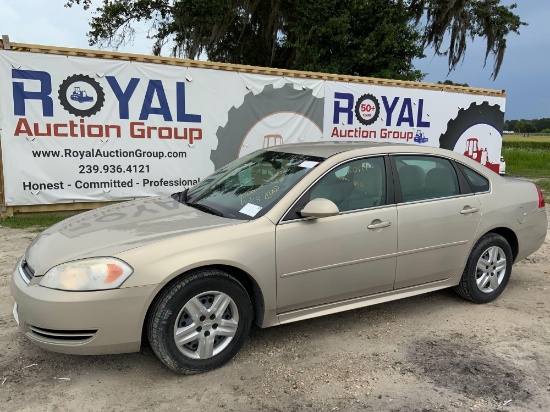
(479,155)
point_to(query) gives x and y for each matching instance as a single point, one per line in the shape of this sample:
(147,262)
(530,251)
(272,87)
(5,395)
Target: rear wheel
(200,322)
(487,271)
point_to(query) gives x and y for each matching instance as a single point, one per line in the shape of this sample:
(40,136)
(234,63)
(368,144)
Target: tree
(529,127)
(374,38)
(510,125)
(519,126)
(464,19)
(451,83)
(360,37)
(542,123)
(536,124)
(525,126)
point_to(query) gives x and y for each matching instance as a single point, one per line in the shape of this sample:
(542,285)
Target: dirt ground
(434,352)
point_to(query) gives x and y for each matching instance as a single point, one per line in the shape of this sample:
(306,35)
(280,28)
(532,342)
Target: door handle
(378,224)
(467,210)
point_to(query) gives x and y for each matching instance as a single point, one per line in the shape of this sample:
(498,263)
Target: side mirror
(319,208)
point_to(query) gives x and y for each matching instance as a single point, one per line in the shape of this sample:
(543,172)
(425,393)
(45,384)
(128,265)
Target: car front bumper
(84,323)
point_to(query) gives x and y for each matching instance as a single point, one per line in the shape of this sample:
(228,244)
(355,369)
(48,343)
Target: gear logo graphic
(241,120)
(475,129)
(483,113)
(367,109)
(81,95)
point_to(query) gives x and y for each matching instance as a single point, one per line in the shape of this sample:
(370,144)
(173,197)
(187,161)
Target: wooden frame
(2,194)
(66,51)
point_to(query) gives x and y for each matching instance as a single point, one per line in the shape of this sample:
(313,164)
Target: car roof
(327,149)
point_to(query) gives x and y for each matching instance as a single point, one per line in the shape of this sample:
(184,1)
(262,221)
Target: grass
(527,162)
(544,184)
(526,145)
(521,138)
(38,221)
(529,157)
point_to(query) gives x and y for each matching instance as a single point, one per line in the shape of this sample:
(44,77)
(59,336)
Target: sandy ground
(435,352)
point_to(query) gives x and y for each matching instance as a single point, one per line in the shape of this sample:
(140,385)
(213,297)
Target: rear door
(438,219)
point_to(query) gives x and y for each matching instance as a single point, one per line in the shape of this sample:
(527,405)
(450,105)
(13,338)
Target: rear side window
(426,177)
(477,182)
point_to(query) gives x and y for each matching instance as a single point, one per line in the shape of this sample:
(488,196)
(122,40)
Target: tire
(360,101)
(178,308)
(240,120)
(482,113)
(485,284)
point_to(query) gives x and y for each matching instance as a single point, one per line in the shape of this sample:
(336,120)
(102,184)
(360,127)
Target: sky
(524,75)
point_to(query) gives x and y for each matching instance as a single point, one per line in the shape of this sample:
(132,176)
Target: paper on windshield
(250,209)
(308,164)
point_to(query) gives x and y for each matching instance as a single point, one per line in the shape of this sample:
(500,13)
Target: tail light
(501,159)
(541,197)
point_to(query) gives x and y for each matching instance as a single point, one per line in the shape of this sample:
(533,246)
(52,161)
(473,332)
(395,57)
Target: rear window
(477,182)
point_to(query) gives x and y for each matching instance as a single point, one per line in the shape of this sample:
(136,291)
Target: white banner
(466,123)
(81,129)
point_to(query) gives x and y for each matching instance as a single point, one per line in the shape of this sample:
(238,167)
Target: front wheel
(200,322)
(487,271)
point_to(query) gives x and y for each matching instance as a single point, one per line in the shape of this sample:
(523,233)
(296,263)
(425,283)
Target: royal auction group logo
(367,109)
(81,95)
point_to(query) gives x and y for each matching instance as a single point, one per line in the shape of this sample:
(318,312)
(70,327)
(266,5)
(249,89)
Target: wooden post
(3,209)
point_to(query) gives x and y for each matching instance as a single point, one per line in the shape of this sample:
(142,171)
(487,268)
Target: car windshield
(248,187)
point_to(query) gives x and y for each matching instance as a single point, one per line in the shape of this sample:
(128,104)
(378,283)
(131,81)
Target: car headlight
(87,274)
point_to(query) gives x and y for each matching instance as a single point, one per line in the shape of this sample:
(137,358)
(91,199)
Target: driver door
(348,255)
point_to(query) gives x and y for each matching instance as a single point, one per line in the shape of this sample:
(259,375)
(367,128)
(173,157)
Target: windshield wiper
(181,196)
(206,209)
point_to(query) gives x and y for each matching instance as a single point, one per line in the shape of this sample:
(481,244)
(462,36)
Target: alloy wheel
(490,269)
(206,325)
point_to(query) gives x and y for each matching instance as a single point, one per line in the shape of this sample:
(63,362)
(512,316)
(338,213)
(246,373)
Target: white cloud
(49,22)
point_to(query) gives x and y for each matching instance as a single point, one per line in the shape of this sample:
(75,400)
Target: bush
(527,145)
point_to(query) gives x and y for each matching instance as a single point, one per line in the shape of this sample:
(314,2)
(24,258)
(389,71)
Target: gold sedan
(283,234)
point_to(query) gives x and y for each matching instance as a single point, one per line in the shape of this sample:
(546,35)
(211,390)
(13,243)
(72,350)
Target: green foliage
(544,185)
(464,20)
(518,127)
(527,158)
(358,37)
(539,124)
(451,83)
(32,221)
(531,159)
(529,127)
(524,126)
(526,145)
(374,38)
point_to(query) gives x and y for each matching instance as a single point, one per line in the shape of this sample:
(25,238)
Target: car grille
(70,336)
(26,272)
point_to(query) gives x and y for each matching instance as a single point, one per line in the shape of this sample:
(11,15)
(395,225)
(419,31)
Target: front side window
(426,177)
(248,187)
(355,185)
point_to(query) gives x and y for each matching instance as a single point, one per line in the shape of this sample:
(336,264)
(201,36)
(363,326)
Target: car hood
(116,228)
